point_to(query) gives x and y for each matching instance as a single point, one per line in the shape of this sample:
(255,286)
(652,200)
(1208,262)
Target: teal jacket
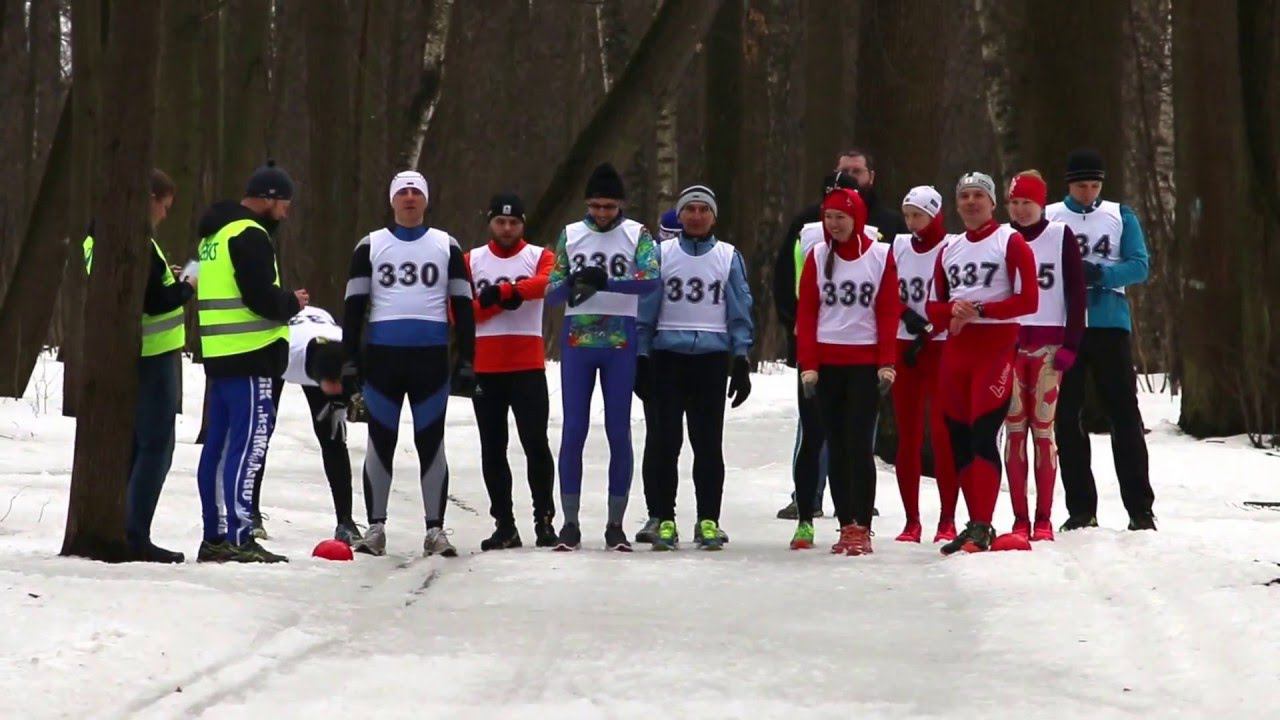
(1109,309)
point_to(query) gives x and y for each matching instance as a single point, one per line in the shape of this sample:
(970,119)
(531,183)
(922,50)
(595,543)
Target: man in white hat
(411,279)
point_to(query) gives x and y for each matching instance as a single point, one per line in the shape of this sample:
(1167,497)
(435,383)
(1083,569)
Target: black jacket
(253,258)
(887,220)
(160,298)
(784,277)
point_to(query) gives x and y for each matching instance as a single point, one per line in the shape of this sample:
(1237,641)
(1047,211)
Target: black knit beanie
(605,182)
(1085,164)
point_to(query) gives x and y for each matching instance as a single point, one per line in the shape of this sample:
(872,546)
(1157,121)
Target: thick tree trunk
(28,302)
(86,104)
(901,49)
(329,224)
(1226,176)
(614,130)
(104,433)
(1149,174)
(245,26)
(423,107)
(1060,108)
(14,142)
(994,31)
(768,172)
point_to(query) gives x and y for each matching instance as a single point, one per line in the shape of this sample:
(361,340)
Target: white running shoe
(437,543)
(374,542)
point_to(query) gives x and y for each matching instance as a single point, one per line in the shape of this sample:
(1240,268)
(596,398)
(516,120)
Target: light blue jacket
(1109,309)
(741,329)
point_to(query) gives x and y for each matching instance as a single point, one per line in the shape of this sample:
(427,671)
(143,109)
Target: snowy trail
(1102,624)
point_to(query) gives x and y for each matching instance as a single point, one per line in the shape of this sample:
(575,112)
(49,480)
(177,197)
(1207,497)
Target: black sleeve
(254,260)
(160,298)
(784,275)
(464,317)
(359,283)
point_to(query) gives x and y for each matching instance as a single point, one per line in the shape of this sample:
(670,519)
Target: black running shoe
(570,538)
(504,537)
(252,552)
(616,539)
(218,552)
(1079,523)
(545,532)
(976,537)
(1145,521)
(147,552)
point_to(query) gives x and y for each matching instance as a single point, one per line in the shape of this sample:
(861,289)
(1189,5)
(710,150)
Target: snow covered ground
(1101,624)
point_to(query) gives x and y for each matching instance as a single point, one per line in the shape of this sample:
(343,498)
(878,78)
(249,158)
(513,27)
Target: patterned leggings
(1035,403)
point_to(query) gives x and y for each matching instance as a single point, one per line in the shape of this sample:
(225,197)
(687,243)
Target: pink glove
(1064,359)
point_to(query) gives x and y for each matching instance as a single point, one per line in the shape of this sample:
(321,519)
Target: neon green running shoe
(803,539)
(709,535)
(668,536)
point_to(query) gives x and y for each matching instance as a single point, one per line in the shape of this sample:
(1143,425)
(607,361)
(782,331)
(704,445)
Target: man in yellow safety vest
(244,338)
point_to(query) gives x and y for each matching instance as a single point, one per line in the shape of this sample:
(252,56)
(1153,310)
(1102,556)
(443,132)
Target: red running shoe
(946,531)
(1021,526)
(1043,531)
(848,539)
(1011,541)
(911,533)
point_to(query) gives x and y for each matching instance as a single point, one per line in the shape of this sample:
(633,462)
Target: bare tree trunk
(424,102)
(329,224)
(666,168)
(104,433)
(993,38)
(46,78)
(615,128)
(14,142)
(245,26)
(902,48)
(725,101)
(767,171)
(1226,102)
(1150,163)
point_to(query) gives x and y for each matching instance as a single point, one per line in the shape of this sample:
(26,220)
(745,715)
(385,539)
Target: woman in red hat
(846,327)
(1047,345)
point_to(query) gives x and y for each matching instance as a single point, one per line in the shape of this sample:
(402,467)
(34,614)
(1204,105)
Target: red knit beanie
(850,203)
(1028,187)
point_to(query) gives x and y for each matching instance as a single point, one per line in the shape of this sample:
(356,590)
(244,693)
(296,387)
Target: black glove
(351,382)
(644,379)
(357,411)
(913,350)
(514,302)
(587,282)
(739,381)
(915,323)
(334,417)
(1092,273)
(592,275)
(463,383)
(491,295)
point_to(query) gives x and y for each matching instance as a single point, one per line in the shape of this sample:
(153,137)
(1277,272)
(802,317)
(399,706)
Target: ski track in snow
(1101,624)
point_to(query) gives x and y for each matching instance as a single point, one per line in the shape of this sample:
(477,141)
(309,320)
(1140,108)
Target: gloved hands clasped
(587,282)
(505,295)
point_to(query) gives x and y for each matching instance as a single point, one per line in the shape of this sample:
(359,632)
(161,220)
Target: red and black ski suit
(976,377)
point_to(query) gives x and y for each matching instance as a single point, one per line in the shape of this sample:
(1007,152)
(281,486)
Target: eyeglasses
(602,206)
